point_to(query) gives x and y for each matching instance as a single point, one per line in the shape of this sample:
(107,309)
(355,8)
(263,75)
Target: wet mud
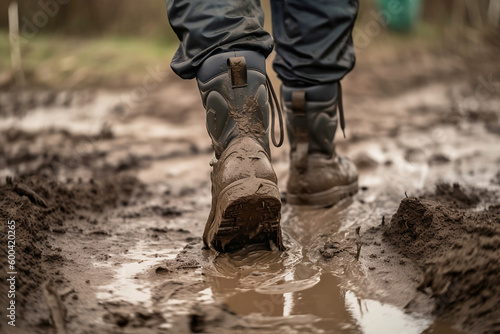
(111,201)
(41,208)
(457,250)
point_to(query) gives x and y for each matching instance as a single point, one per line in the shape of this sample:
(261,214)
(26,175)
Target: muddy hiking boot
(246,202)
(318,176)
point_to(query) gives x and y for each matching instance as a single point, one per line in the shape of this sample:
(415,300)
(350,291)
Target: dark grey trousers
(313,37)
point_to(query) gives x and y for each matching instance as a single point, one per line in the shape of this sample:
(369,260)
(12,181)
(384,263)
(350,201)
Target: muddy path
(110,199)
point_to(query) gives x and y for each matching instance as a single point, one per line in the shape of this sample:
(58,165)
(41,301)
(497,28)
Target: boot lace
(275,111)
(341,110)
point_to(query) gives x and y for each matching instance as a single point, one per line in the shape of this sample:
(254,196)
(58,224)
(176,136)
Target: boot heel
(325,198)
(248,212)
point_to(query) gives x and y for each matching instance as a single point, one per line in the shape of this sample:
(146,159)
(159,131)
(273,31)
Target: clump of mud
(40,206)
(458,248)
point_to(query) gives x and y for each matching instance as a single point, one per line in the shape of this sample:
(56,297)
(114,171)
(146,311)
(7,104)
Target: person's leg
(206,28)
(314,52)
(224,46)
(313,40)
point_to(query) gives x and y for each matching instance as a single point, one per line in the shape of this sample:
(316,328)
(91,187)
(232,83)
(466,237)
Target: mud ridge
(457,249)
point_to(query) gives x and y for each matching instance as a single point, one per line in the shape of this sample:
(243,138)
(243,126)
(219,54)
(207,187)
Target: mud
(41,207)
(111,201)
(457,250)
(250,126)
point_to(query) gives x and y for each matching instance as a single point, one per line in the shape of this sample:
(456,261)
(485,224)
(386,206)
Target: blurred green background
(80,43)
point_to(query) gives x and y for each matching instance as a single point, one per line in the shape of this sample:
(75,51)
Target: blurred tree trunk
(15,54)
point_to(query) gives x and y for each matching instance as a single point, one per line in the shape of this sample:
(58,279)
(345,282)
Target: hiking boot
(246,202)
(318,176)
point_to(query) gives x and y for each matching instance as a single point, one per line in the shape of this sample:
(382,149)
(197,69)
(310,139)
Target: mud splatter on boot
(246,203)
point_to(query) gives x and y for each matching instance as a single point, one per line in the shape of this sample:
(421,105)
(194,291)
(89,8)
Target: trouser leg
(314,51)
(224,46)
(313,40)
(206,28)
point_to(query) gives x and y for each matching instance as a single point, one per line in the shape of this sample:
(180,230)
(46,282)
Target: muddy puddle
(258,290)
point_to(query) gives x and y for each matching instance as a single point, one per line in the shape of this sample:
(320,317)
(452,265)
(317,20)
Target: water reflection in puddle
(321,304)
(375,317)
(323,307)
(125,285)
(289,291)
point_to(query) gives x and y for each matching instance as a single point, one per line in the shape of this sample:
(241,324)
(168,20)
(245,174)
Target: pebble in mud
(334,248)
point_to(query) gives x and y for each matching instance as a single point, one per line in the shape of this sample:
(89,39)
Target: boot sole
(248,212)
(325,198)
